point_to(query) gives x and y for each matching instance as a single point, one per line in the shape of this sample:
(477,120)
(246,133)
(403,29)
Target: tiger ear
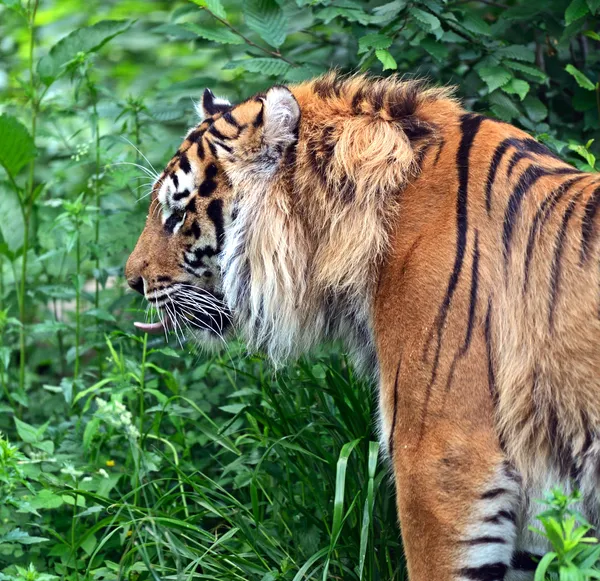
(281,117)
(212,105)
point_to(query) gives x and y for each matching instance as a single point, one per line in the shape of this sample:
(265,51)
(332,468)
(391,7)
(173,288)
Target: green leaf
(77,44)
(46,499)
(349,14)
(438,50)
(594,6)
(386,59)
(516,52)
(16,145)
(28,433)
(591,34)
(576,10)
(581,79)
(387,12)
(540,572)
(266,18)
(12,224)
(376,41)
(266,66)
(475,24)
(535,109)
(517,87)
(221,35)
(427,21)
(503,107)
(527,69)
(215,6)
(19,536)
(494,77)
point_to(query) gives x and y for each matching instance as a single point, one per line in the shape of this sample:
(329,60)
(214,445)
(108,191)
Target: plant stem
(28,196)
(77,302)
(249,42)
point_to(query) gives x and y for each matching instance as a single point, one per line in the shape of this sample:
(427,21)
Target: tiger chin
(455,256)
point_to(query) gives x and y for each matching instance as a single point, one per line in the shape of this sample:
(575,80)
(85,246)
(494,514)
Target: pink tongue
(151,328)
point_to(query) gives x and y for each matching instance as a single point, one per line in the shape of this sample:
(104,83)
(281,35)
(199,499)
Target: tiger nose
(137,284)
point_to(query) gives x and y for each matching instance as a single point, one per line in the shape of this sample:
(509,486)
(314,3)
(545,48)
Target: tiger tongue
(153,328)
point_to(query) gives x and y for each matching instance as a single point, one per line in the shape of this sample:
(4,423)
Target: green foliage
(123,457)
(575,556)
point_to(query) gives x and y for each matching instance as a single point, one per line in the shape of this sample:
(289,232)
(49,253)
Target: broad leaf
(16,145)
(476,25)
(12,223)
(535,109)
(427,22)
(517,87)
(581,79)
(80,42)
(266,18)
(221,35)
(576,10)
(494,77)
(516,52)
(376,41)
(386,59)
(215,6)
(503,107)
(267,66)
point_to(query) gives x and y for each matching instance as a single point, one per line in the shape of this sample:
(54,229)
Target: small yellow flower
(110,463)
(129,533)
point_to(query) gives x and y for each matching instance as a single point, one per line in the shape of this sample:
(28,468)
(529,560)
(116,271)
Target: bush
(121,457)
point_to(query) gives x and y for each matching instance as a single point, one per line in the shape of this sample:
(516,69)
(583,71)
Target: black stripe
(524,561)
(493,493)
(473,295)
(496,159)
(486,540)
(225,147)
(214,131)
(470,125)
(184,163)
(211,171)
(491,572)
(540,218)
(164,278)
(200,148)
(215,212)
(357,100)
(207,187)
(195,227)
(472,309)
(175,180)
(528,178)
(587,225)
(556,268)
(527,145)
(394,413)
(229,118)
(180,195)
(171,222)
(439,151)
(490,355)
(516,158)
(501,515)
(259,118)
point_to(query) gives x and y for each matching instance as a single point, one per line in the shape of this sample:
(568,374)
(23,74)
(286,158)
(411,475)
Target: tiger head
(176,261)
(273,215)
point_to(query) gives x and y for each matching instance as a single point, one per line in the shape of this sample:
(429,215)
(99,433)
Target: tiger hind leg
(459,504)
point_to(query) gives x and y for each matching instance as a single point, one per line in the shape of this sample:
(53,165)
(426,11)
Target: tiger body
(455,255)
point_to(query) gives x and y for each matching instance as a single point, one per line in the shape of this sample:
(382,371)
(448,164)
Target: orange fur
(458,259)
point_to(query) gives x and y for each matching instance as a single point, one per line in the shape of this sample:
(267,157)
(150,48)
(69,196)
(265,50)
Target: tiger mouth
(187,310)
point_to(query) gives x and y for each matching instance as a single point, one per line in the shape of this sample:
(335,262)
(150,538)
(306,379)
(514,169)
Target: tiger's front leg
(458,502)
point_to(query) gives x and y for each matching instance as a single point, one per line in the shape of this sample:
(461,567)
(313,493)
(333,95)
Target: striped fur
(455,255)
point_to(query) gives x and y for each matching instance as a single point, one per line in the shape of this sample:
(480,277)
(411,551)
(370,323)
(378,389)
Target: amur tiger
(458,259)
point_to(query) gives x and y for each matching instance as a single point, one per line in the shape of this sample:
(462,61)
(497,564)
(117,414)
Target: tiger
(455,256)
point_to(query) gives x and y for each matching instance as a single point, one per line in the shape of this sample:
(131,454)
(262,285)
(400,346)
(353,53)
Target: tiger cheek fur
(455,256)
